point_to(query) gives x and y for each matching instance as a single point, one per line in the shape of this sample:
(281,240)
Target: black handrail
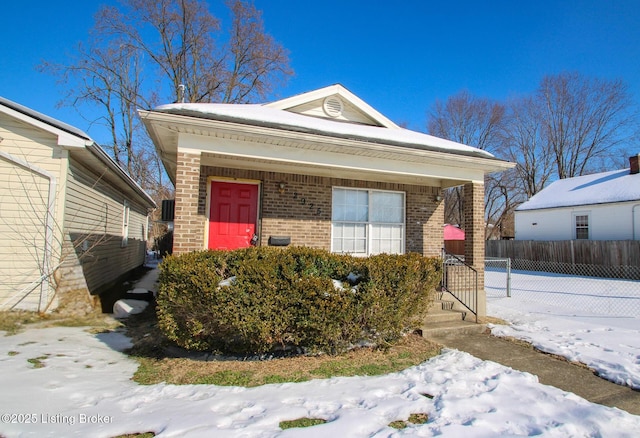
(461,281)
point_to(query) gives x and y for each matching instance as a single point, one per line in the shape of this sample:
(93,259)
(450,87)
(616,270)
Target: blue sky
(397,56)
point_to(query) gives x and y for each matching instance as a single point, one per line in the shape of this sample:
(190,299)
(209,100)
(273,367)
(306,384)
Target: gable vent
(333,106)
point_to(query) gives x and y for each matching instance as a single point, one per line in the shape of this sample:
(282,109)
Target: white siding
(23,207)
(606,222)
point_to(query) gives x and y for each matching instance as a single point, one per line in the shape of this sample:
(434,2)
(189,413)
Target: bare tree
(584,120)
(117,69)
(468,120)
(257,63)
(142,49)
(525,144)
(180,37)
(108,78)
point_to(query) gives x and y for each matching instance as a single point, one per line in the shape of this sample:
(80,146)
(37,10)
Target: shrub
(282,298)
(396,293)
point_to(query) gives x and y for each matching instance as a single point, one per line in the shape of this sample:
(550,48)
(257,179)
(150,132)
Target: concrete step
(440,315)
(440,329)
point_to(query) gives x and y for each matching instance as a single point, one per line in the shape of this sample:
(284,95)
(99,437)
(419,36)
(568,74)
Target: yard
(68,382)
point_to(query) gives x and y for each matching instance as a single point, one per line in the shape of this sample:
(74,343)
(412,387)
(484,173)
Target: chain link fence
(601,290)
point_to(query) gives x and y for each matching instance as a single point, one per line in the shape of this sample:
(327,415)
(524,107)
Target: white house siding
(606,222)
(23,210)
(94,252)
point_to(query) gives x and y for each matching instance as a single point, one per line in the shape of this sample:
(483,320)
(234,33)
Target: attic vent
(333,106)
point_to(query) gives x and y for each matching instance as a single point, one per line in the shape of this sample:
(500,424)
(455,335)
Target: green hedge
(283,298)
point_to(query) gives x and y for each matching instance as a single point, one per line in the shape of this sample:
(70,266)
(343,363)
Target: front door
(233,215)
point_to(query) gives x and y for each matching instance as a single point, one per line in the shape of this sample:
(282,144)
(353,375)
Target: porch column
(474,237)
(188,227)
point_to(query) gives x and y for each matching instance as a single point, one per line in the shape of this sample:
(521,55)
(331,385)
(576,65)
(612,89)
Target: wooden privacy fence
(598,253)
(587,252)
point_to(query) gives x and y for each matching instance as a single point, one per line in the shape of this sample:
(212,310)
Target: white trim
(126,213)
(574,224)
(369,224)
(64,138)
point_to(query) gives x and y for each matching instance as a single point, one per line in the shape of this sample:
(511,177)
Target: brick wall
(302,210)
(474,236)
(188,227)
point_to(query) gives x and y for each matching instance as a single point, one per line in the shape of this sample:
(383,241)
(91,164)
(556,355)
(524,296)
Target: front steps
(446,317)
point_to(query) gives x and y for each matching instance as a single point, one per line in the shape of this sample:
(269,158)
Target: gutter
(46,270)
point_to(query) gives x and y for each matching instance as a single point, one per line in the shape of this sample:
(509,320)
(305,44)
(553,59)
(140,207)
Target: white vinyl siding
(366,222)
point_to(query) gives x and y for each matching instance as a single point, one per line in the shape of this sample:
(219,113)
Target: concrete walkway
(549,369)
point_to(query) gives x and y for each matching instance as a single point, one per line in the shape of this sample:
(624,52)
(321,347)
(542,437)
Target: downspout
(46,270)
(633,222)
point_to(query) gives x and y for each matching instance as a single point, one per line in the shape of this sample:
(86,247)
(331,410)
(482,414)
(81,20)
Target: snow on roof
(265,116)
(598,188)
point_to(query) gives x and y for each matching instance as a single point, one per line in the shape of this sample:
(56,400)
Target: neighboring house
(601,206)
(71,220)
(453,239)
(320,169)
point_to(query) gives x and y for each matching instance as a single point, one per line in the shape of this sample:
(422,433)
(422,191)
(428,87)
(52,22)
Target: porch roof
(329,145)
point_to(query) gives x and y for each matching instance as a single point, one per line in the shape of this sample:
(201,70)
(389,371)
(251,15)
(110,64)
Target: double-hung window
(581,223)
(366,222)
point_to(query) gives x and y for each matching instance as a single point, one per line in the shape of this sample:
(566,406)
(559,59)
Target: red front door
(233,215)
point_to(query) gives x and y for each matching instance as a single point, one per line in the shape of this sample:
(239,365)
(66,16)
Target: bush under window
(256,300)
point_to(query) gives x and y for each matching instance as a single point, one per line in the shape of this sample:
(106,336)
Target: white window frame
(369,224)
(126,212)
(575,216)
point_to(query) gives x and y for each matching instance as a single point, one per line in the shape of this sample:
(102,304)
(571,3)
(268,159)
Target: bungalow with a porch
(321,169)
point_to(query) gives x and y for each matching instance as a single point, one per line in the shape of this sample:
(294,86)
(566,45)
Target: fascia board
(158,124)
(308,141)
(344,160)
(64,139)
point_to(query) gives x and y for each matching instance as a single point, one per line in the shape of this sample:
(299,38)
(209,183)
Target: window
(581,222)
(367,222)
(125,224)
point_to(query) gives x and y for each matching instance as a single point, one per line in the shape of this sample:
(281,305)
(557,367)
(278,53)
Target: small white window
(581,225)
(367,222)
(125,223)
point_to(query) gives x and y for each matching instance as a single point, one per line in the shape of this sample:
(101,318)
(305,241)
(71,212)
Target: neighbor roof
(597,188)
(77,141)
(451,232)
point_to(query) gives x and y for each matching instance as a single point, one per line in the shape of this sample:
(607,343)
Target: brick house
(321,169)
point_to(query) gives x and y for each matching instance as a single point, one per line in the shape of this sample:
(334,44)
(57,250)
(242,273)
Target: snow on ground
(572,316)
(85,389)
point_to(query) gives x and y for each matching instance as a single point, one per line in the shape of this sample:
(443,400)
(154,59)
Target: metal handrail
(463,284)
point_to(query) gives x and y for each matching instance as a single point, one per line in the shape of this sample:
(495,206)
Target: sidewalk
(550,370)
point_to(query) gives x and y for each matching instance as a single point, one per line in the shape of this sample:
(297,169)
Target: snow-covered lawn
(84,389)
(572,317)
